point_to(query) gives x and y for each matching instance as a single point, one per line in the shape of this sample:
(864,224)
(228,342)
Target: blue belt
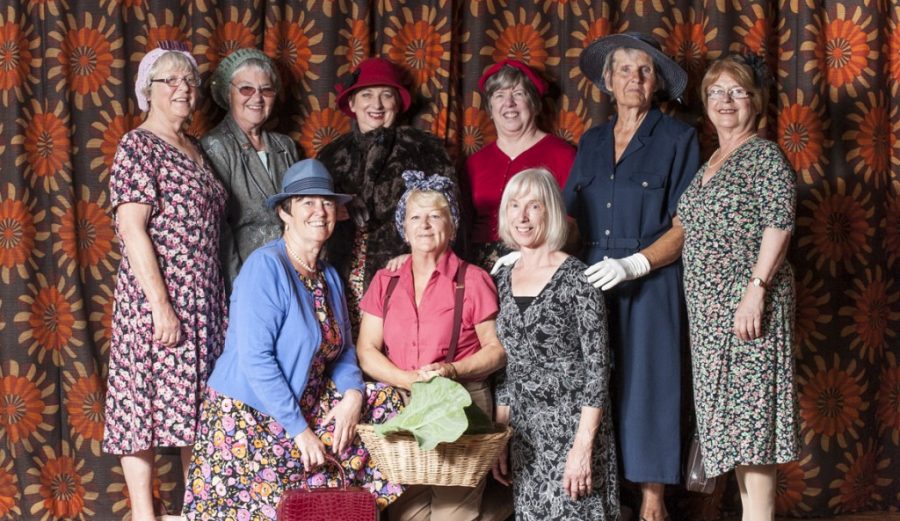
(619,243)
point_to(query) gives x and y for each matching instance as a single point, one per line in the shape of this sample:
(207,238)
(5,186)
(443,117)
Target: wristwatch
(758,282)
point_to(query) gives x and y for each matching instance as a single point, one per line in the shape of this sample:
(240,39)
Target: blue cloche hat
(307,177)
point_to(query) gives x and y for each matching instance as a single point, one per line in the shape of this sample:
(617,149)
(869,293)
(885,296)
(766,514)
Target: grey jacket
(248,222)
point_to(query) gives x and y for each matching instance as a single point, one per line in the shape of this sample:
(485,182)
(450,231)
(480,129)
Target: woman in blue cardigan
(287,388)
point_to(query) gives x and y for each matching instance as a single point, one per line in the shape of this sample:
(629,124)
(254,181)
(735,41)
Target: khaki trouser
(427,503)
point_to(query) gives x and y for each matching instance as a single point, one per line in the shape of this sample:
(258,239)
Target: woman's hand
(501,467)
(395,263)
(577,480)
(312,450)
(748,317)
(345,415)
(445,369)
(166,327)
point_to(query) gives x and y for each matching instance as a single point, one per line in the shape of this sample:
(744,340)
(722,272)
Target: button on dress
(621,209)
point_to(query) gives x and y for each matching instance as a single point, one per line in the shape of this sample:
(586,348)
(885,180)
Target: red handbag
(327,504)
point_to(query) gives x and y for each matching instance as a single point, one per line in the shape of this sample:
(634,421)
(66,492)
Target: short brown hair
(737,68)
(509,76)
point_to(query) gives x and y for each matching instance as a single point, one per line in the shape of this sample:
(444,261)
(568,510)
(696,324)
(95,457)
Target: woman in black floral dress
(552,322)
(738,214)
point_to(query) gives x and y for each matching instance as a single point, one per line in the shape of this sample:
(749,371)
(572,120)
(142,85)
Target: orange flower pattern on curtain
(66,98)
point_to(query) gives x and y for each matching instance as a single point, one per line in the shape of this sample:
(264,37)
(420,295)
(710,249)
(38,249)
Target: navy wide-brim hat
(593,58)
(307,177)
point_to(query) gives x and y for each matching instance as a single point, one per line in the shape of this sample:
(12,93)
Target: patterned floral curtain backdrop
(66,82)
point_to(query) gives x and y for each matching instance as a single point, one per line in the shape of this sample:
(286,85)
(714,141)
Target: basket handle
(328,459)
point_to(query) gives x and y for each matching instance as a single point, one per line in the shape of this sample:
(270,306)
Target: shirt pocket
(644,180)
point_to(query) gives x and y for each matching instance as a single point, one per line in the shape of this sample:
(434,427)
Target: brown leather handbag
(327,504)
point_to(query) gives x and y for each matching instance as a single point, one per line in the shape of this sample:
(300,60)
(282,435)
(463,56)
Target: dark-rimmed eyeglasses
(175,81)
(250,90)
(718,93)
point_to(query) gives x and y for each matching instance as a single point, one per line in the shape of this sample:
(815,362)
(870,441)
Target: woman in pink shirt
(409,326)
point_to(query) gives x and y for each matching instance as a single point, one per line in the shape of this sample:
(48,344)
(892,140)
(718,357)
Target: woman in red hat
(513,92)
(369,162)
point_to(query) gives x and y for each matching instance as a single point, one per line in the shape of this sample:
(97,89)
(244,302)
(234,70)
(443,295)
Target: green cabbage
(440,411)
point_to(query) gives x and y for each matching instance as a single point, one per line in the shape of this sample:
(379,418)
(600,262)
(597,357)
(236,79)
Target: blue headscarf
(417,181)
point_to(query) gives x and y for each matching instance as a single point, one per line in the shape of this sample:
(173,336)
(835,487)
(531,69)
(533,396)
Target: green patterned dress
(744,392)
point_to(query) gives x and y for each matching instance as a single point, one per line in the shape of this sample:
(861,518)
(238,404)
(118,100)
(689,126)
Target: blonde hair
(171,59)
(540,182)
(431,198)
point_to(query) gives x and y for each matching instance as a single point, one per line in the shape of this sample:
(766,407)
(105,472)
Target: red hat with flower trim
(373,72)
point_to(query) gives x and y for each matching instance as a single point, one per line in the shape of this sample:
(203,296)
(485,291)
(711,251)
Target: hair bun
(759,67)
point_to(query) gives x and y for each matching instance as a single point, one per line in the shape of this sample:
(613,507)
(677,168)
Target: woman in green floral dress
(738,214)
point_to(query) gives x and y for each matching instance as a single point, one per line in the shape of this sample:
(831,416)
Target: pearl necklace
(722,157)
(297,258)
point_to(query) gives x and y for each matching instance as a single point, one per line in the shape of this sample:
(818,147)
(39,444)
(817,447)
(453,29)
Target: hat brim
(340,199)
(343,99)
(592,60)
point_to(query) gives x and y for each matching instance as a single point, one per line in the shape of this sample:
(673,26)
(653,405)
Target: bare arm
(486,360)
(373,361)
(749,314)
(132,223)
(667,248)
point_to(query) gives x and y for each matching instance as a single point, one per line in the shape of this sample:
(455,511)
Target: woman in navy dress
(623,191)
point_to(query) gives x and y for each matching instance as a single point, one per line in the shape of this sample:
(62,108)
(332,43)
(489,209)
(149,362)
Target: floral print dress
(557,362)
(154,392)
(744,392)
(244,459)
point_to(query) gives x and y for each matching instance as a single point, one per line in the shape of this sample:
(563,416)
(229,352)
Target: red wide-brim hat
(373,72)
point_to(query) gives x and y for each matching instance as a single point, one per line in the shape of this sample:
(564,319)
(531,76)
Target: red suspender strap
(457,305)
(457,309)
(387,296)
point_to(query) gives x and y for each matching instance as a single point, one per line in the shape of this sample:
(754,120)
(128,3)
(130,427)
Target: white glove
(608,273)
(507,260)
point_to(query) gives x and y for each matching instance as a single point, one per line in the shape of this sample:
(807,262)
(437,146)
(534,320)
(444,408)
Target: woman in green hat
(250,161)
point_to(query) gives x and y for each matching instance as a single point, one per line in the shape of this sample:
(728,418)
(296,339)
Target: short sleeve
(373,300)
(480,296)
(132,177)
(776,189)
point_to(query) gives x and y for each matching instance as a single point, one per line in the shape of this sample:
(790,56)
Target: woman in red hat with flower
(513,92)
(369,162)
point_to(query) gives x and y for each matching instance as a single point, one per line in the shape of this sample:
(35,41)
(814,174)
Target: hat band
(309,183)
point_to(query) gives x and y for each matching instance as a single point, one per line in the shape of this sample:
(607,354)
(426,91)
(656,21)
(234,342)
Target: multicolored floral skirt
(244,460)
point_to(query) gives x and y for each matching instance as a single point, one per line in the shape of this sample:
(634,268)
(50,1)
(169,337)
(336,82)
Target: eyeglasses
(175,81)
(718,93)
(249,90)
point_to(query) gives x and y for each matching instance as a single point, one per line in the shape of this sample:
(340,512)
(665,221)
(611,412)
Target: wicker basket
(462,463)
